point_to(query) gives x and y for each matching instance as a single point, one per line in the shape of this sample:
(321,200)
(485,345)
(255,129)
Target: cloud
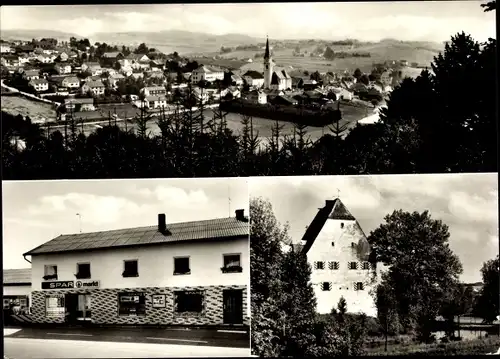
(471,207)
(83,26)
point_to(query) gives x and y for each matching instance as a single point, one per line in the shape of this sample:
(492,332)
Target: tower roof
(267,54)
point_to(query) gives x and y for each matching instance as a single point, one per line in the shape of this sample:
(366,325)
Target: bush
(470,347)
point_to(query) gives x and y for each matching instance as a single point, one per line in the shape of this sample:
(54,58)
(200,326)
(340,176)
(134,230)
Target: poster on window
(54,306)
(158,300)
(131,304)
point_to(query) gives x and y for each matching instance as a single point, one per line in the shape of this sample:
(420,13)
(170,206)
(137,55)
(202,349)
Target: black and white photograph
(248,89)
(374,265)
(126,268)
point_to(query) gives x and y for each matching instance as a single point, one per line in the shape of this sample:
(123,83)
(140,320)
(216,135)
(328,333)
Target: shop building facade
(16,289)
(192,273)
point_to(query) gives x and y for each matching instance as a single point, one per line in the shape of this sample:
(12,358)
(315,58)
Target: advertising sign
(158,300)
(58,285)
(87,284)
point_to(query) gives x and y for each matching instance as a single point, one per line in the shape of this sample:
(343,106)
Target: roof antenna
(80,221)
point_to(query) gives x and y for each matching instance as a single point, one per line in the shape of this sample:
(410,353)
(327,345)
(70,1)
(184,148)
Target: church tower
(268,67)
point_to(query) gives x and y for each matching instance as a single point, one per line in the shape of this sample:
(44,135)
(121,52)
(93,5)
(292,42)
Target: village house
(10,60)
(5,48)
(79,104)
(40,85)
(71,82)
(45,58)
(154,91)
(16,289)
(24,59)
(137,75)
(254,79)
(97,88)
(63,56)
(113,79)
(201,95)
(192,273)
(236,80)
(257,96)
(138,61)
(155,102)
(231,91)
(62,69)
(156,65)
(126,71)
(206,73)
(114,56)
(339,254)
(92,67)
(31,74)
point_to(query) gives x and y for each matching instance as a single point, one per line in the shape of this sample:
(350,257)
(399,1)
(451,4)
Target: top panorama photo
(205,90)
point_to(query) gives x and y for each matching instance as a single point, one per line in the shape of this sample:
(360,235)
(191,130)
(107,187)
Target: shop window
(54,306)
(131,303)
(131,268)
(50,272)
(181,265)
(189,301)
(82,271)
(232,263)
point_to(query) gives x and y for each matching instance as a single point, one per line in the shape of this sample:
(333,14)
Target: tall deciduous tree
(385,300)
(421,266)
(487,306)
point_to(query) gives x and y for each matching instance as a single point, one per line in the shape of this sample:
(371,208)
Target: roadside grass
(468,347)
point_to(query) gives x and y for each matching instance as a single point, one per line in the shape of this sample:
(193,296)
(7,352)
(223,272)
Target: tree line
(418,284)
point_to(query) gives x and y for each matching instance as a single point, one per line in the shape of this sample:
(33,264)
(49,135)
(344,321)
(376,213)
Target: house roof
(254,74)
(212,229)
(155,88)
(39,81)
(93,65)
(79,101)
(93,84)
(32,72)
(156,98)
(17,276)
(333,209)
(111,55)
(71,79)
(137,57)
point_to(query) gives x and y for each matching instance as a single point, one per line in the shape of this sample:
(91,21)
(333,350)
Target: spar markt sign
(69,284)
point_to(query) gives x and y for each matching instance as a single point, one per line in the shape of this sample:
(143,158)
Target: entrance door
(233,306)
(83,313)
(71,304)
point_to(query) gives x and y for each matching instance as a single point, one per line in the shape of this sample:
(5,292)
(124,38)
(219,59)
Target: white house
(63,69)
(234,91)
(154,102)
(192,273)
(206,73)
(93,67)
(71,82)
(254,79)
(16,288)
(45,58)
(154,91)
(31,74)
(113,79)
(39,85)
(96,87)
(257,96)
(5,48)
(338,251)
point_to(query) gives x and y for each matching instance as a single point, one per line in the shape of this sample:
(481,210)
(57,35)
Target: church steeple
(267,54)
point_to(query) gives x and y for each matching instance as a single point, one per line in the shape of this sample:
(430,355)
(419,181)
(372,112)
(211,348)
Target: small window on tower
(333,244)
(359,286)
(326,286)
(342,225)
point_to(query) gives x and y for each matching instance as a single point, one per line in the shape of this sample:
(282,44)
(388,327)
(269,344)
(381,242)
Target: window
(54,306)
(333,265)
(189,301)
(333,244)
(359,286)
(181,265)
(82,271)
(353,245)
(50,272)
(342,225)
(319,265)
(232,263)
(353,265)
(131,303)
(131,268)
(326,286)
(366,265)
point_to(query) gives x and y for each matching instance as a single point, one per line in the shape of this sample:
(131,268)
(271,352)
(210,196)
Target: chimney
(240,215)
(162,223)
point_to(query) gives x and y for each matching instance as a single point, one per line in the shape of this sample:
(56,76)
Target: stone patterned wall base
(104,306)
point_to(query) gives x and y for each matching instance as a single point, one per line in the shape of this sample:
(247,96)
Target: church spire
(266,54)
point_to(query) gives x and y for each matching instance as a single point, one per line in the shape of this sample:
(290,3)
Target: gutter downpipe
(24,256)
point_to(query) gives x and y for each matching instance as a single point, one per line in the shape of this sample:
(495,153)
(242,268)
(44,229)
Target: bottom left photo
(126,267)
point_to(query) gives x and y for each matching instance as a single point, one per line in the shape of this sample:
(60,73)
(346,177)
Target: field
(37,111)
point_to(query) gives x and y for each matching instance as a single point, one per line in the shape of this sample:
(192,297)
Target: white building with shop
(16,288)
(192,273)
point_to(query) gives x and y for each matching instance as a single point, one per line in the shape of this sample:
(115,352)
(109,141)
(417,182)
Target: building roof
(93,65)
(117,76)
(79,101)
(137,57)
(94,84)
(333,209)
(32,72)
(156,98)
(212,229)
(17,276)
(39,81)
(155,88)
(111,55)
(71,79)
(254,74)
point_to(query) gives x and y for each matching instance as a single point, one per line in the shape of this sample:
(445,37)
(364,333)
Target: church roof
(267,53)
(333,209)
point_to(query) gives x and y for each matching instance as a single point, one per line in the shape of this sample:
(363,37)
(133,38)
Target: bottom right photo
(374,265)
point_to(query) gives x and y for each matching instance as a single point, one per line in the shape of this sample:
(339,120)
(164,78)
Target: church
(338,252)
(274,78)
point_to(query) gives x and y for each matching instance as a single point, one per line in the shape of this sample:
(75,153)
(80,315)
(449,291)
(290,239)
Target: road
(122,343)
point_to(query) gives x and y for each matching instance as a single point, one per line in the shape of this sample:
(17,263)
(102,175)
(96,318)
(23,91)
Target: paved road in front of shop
(24,348)
(176,336)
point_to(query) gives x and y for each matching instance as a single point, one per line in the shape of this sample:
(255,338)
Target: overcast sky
(468,204)
(35,212)
(372,21)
